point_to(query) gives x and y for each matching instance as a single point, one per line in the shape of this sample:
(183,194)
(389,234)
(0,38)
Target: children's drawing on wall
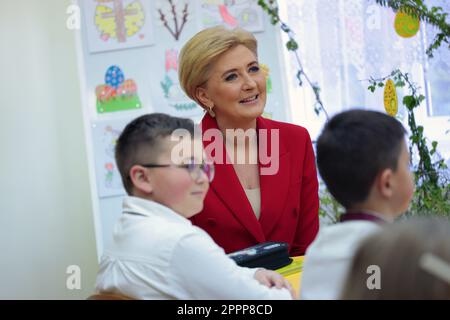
(266,71)
(173,15)
(232,13)
(174,95)
(105,135)
(117,24)
(117,93)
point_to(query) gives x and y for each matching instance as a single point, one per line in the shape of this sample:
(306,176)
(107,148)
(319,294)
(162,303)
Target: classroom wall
(153,68)
(46,221)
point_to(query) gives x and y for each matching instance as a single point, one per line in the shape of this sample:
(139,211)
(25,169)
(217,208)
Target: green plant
(330,210)
(432,195)
(434,16)
(271,9)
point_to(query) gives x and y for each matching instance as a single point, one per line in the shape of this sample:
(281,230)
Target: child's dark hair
(140,141)
(353,148)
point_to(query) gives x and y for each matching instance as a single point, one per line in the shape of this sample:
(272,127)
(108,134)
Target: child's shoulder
(141,233)
(341,237)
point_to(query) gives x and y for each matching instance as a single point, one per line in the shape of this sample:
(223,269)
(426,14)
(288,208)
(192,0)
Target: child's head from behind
(362,157)
(412,259)
(151,168)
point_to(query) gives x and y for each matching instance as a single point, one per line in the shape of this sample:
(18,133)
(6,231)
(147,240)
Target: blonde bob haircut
(198,55)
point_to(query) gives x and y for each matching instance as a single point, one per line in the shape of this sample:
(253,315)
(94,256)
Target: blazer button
(211,222)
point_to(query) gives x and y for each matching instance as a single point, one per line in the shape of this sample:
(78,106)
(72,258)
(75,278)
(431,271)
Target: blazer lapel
(229,190)
(274,187)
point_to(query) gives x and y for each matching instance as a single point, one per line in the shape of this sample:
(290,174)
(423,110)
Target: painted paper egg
(405,25)
(390,98)
(114,77)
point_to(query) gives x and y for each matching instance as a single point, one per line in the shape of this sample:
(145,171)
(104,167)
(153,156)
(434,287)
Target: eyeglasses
(194,169)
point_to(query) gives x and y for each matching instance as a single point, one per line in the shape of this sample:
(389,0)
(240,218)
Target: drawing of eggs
(114,77)
(127,88)
(104,92)
(390,98)
(405,25)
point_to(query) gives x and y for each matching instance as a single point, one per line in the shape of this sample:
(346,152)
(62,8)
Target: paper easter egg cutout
(405,25)
(390,98)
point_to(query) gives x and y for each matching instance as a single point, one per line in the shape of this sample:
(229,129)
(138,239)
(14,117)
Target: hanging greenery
(271,9)
(434,16)
(432,195)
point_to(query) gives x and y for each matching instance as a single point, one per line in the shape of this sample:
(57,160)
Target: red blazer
(289,199)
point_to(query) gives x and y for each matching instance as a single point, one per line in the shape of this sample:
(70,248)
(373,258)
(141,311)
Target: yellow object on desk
(293,272)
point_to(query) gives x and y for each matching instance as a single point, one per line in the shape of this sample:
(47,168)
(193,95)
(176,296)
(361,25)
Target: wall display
(235,13)
(117,24)
(104,137)
(117,93)
(142,77)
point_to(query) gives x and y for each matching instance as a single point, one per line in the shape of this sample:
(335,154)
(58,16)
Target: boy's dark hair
(140,141)
(353,148)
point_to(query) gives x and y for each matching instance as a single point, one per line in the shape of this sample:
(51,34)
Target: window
(343,43)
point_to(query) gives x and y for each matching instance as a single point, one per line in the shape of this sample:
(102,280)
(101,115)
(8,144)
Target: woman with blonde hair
(408,261)
(254,197)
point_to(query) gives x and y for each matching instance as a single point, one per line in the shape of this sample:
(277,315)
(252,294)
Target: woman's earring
(211,112)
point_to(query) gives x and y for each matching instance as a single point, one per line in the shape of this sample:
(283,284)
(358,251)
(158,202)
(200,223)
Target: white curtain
(344,42)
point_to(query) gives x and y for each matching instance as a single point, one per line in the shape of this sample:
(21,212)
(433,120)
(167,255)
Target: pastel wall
(46,221)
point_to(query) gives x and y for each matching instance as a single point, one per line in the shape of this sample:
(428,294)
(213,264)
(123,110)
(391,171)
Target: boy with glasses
(156,253)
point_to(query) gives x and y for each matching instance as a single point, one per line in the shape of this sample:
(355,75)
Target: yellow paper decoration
(405,25)
(390,98)
(265,70)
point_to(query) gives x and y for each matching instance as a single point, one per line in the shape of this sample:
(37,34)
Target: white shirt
(158,254)
(329,258)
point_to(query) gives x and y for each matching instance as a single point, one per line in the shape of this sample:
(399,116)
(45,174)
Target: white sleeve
(200,269)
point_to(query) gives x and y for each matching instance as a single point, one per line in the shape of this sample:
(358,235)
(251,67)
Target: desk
(293,272)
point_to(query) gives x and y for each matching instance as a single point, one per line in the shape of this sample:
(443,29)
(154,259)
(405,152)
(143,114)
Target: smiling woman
(246,204)
(236,88)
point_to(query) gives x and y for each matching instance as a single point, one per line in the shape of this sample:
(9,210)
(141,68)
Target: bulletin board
(128,66)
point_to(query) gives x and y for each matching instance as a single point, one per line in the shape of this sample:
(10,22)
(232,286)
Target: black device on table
(269,255)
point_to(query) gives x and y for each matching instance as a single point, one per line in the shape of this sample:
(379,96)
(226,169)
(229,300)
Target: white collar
(376,214)
(148,208)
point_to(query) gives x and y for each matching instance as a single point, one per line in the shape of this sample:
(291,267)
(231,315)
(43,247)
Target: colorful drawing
(117,93)
(105,135)
(390,98)
(266,71)
(173,93)
(243,13)
(405,25)
(171,12)
(109,175)
(117,24)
